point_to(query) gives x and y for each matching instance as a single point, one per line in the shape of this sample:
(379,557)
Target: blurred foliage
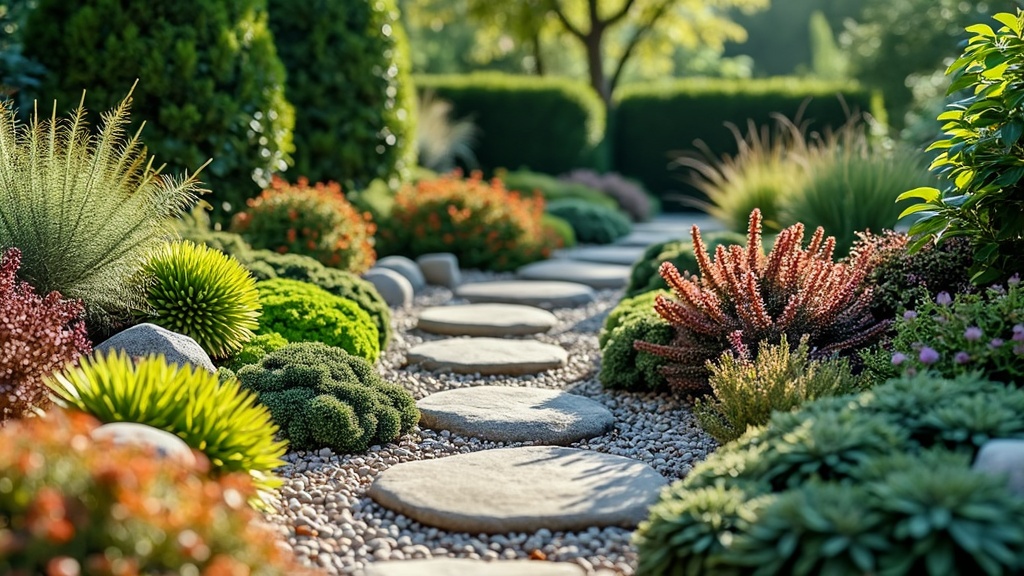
(19,75)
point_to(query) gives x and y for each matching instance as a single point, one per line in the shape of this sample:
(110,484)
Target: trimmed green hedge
(548,125)
(655,123)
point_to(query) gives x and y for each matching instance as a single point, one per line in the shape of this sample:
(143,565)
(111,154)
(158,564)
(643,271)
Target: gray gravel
(330,523)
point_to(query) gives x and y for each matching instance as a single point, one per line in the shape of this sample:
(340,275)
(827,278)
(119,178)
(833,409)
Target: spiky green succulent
(204,294)
(220,419)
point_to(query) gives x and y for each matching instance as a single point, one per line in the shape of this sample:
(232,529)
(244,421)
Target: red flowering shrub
(38,335)
(314,221)
(69,505)
(483,223)
(744,298)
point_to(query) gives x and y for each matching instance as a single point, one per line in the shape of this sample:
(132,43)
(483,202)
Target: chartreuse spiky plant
(85,208)
(744,299)
(205,294)
(222,420)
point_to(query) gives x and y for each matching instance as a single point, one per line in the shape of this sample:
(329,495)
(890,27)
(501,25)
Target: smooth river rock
(488,356)
(595,275)
(486,320)
(150,340)
(530,293)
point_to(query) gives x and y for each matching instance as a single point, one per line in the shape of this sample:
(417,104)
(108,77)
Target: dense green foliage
(322,396)
(644,276)
(980,156)
(630,195)
(551,188)
(849,485)
(303,312)
(592,224)
(218,419)
(210,84)
(560,228)
(253,351)
(85,211)
(511,111)
(655,122)
(202,293)
(348,77)
(623,366)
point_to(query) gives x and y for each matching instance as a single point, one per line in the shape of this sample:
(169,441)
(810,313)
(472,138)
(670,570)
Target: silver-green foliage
(85,208)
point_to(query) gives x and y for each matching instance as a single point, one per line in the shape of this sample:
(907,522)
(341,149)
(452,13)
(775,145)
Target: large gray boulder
(150,339)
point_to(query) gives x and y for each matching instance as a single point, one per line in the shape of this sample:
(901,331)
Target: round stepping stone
(512,414)
(529,293)
(520,490)
(621,255)
(592,274)
(486,320)
(468,567)
(488,356)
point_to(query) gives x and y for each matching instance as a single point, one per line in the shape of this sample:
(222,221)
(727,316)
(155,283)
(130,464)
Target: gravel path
(330,523)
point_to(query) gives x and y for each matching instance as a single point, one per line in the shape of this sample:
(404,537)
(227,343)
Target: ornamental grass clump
(38,335)
(219,419)
(744,298)
(204,294)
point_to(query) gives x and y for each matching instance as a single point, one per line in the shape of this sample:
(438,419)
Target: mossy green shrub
(655,121)
(511,111)
(629,194)
(210,84)
(591,223)
(321,396)
(871,483)
(551,188)
(560,228)
(253,351)
(266,265)
(348,77)
(303,312)
(622,366)
(202,293)
(644,276)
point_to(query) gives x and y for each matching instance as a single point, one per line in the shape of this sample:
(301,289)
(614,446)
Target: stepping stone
(512,414)
(486,320)
(520,490)
(488,356)
(468,567)
(621,255)
(542,294)
(645,239)
(595,275)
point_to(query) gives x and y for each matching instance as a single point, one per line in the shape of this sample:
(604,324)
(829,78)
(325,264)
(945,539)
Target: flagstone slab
(486,320)
(520,490)
(488,356)
(621,255)
(595,275)
(515,414)
(529,293)
(469,567)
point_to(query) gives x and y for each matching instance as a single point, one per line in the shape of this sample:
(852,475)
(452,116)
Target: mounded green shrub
(878,482)
(655,121)
(253,351)
(210,84)
(511,111)
(644,276)
(622,366)
(321,396)
(348,77)
(551,188)
(303,312)
(266,265)
(591,223)
(560,228)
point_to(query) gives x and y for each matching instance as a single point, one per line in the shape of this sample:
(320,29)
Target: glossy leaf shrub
(314,221)
(483,223)
(873,483)
(202,293)
(70,505)
(980,154)
(219,419)
(38,335)
(744,298)
(322,396)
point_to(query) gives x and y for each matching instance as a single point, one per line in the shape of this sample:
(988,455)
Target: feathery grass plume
(85,208)
(744,298)
(204,294)
(443,143)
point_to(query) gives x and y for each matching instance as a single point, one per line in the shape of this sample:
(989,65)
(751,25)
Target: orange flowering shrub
(313,220)
(69,505)
(483,223)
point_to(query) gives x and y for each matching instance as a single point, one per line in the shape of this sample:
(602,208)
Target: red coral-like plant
(38,335)
(744,298)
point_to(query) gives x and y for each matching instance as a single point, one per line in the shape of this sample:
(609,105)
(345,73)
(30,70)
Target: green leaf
(1011,133)
(950,115)
(920,207)
(1009,20)
(981,30)
(926,193)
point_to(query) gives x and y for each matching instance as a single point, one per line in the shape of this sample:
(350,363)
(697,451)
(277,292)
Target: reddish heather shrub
(74,506)
(313,220)
(744,299)
(38,336)
(483,223)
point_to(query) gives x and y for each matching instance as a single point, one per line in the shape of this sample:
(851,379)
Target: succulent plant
(204,294)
